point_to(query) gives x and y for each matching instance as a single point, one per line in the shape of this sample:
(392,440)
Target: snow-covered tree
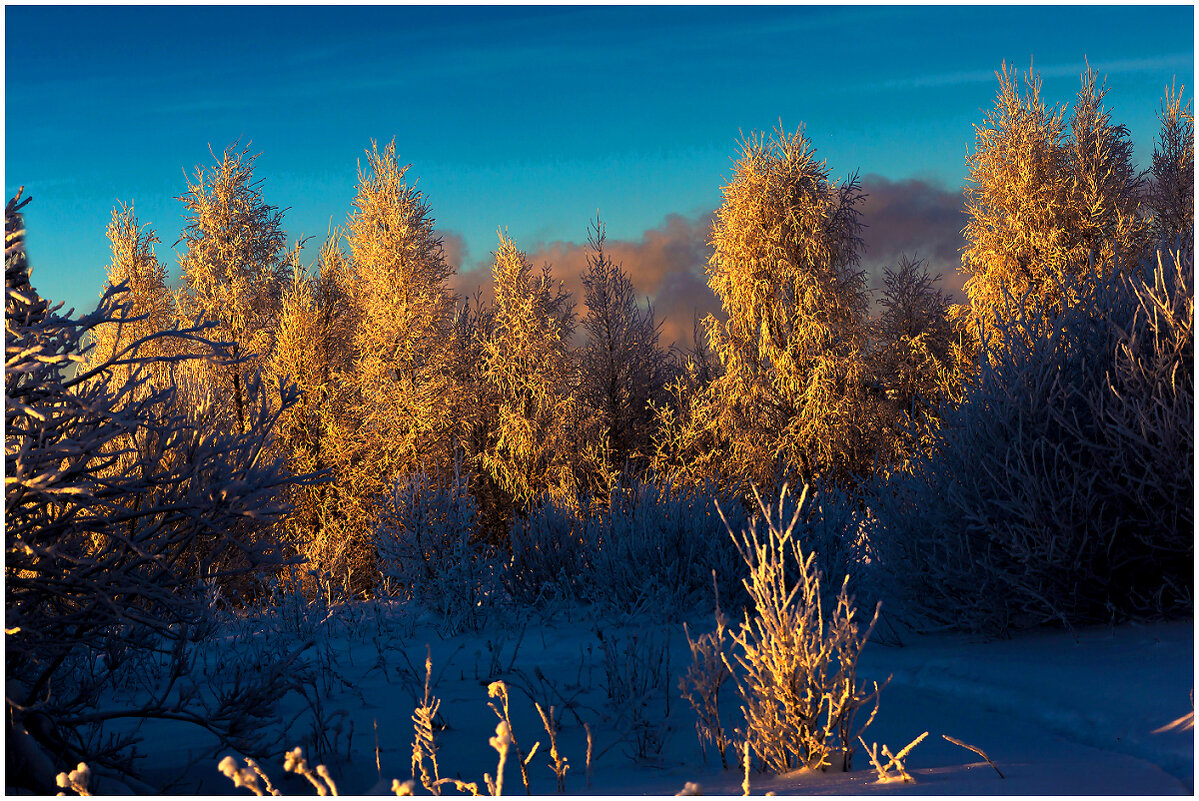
(919,360)
(785,269)
(147,296)
(1171,198)
(403,337)
(542,441)
(1107,188)
(314,352)
(234,263)
(1047,204)
(1018,202)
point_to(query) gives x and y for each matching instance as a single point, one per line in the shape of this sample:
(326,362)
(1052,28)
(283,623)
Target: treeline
(396,378)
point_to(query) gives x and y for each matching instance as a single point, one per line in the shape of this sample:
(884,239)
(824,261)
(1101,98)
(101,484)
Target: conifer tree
(147,302)
(1018,202)
(313,352)
(1047,205)
(542,442)
(786,242)
(1107,188)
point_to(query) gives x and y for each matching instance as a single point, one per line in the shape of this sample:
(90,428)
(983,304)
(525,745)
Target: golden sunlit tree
(543,442)
(148,304)
(400,417)
(313,352)
(1047,204)
(234,264)
(1017,201)
(1171,198)
(404,333)
(1107,189)
(791,395)
(623,371)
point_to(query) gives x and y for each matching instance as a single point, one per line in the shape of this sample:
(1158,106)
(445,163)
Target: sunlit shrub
(794,658)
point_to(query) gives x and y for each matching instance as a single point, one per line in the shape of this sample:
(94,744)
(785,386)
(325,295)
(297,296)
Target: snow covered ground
(1059,713)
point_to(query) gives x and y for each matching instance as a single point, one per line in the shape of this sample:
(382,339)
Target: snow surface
(1058,712)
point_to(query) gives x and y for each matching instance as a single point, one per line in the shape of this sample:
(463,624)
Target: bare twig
(978,751)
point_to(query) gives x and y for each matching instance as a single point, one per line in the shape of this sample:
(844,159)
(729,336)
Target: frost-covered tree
(785,269)
(542,441)
(1046,204)
(234,262)
(403,337)
(1017,201)
(1171,197)
(120,505)
(623,371)
(1107,188)
(147,296)
(313,351)
(919,359)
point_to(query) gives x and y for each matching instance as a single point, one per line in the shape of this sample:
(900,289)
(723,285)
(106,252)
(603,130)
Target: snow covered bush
(657,548)
(425,550)
(701,684)
(637,681)
(122,506)
(1061,489)
(652,551)
(551,549)
(795,666)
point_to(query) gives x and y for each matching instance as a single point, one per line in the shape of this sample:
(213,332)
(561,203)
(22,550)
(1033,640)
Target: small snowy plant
(702,682)
(795,664)
(75,781)
(887,766)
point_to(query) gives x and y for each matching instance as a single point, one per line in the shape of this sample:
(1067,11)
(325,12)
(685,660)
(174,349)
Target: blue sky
(530,118)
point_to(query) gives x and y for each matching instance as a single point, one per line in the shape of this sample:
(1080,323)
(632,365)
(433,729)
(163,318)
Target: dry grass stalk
(745,762)
(560,763)
(294,762)
(587,728)
(423,743)
(894,761)
(498,689)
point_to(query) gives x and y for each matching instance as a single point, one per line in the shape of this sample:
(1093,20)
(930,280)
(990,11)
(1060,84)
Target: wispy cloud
(1113,67)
